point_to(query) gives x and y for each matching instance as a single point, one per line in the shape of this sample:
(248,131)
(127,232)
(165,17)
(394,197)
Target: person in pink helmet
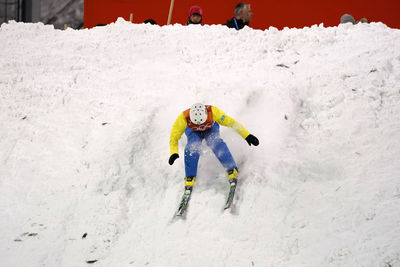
(195,15)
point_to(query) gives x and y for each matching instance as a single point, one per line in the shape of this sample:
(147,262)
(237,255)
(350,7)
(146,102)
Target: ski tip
(228,204)
(180,212)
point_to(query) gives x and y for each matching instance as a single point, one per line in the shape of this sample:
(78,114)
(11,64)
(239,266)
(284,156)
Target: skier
(201,122)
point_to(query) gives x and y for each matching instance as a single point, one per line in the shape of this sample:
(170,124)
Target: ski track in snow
(85,118)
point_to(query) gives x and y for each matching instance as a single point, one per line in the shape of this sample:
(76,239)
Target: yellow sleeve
(223,119)
(178,129)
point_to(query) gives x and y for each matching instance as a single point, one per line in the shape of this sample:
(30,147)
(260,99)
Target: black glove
(252,140)
(173,158)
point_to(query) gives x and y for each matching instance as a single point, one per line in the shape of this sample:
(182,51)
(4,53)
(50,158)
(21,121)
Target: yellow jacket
(219,116)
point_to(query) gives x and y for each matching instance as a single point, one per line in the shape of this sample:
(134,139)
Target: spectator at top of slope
(150,21)
(347,18)
(242,17)
(195,15)
(363,20)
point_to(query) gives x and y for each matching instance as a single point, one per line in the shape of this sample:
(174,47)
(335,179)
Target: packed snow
(85,119)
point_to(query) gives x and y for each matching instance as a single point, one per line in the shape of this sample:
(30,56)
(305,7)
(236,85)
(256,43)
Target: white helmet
(198,113)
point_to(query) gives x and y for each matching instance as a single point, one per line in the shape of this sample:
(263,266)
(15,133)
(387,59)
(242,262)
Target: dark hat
(364,20)
(347,18)
(151,21)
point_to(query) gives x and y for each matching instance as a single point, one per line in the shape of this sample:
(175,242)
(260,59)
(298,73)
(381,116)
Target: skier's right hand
(173,158)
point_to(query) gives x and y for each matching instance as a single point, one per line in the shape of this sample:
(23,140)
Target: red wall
(284,13)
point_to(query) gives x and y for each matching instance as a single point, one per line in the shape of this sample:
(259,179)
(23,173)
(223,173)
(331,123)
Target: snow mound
(85,118)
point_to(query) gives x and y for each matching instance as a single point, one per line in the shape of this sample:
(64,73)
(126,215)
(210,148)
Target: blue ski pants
(214,141)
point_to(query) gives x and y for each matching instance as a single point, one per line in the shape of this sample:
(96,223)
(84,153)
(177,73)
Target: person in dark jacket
(242,17)
(195,15)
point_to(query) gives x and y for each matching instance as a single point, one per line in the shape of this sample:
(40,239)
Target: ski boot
(232,178)
(189,182)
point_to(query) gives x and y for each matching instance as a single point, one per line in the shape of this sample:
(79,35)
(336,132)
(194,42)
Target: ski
(231,194)
(184,202)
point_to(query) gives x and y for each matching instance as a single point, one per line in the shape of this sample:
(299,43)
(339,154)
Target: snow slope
(85,118)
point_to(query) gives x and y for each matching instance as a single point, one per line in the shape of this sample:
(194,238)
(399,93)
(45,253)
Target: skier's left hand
(252,140)
(172,158)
